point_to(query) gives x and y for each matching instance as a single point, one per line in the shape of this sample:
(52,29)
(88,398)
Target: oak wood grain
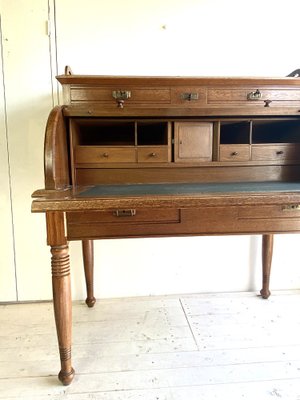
(147,134)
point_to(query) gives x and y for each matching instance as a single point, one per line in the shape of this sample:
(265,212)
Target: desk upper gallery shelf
(166,156)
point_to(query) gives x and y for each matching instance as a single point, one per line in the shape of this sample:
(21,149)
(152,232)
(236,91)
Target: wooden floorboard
(193,347)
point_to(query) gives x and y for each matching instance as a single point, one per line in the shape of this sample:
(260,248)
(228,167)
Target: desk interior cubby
(275,131)
(235,132)
(89,132)
(152,133)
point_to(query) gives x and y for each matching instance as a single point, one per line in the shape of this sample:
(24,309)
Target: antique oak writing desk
(166,156)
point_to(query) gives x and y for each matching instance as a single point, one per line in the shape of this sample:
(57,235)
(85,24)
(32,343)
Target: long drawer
(122,223)
(242,219)
(212,220)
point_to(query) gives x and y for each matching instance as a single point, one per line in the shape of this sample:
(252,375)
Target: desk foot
(90,301)
(265,294)
(66,377)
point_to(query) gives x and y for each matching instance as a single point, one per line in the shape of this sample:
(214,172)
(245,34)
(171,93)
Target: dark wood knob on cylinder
(267,103)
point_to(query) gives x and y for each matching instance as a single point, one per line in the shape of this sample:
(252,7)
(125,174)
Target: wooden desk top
(183,195)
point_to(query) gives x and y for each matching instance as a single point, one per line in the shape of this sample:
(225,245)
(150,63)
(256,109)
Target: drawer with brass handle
(253,96)
(122,223)
(191,96)
(111,95)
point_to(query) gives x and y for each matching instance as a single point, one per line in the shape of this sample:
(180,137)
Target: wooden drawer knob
(105,155)
(279,152)
(267,103)
(234,153)
(153,155)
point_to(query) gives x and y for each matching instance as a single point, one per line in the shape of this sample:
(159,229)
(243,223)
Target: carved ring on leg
(66,373)
(62,302)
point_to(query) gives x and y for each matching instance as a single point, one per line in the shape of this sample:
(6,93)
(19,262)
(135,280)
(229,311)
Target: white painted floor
(193,347)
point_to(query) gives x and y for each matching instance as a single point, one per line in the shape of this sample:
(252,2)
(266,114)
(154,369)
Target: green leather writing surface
(189,188)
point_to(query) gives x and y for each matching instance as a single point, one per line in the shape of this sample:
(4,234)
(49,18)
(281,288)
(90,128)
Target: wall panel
(28,90)
(7,269)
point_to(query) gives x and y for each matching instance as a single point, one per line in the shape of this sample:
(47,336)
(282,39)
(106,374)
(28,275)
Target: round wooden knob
(153,154)
(105,155)
(279,152)
(234,153)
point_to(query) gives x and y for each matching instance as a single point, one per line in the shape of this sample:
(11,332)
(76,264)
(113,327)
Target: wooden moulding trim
(177,80)
(43,205)
(96,110)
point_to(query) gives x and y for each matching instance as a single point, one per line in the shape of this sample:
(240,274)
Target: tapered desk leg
(61,285)
(267,252)
(88,262)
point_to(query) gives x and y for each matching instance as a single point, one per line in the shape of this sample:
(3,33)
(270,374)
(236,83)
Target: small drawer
(234,152)
(132,95)
(275,152)
(153,154)
(191,96)
(99,154)
(273,211)
(252,95)
(273,218)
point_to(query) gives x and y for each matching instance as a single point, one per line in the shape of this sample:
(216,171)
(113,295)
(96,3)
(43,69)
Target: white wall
(133,37)
(7,269)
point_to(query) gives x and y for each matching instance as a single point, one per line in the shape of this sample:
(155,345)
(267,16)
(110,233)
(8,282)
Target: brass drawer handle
(121,94)
(291,207)
(124,213)
(189,96)
(254,95)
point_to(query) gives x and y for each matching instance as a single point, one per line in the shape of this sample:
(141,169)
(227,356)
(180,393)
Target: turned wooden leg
(267,252)
(61,285)
(88,262)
